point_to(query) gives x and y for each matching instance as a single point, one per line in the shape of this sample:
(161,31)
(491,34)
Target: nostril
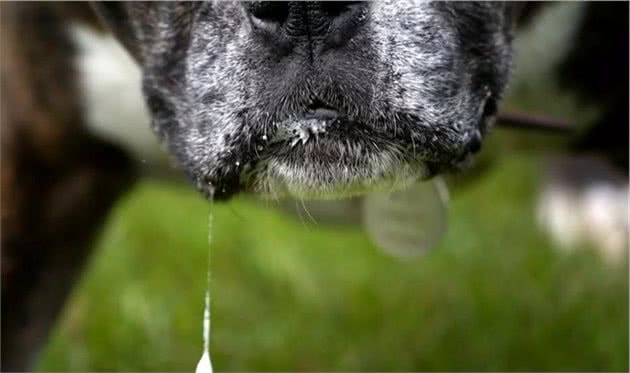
(337,8)
(346,19)
(268,11)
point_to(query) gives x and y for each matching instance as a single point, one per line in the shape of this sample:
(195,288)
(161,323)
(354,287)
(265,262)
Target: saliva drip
(205,365)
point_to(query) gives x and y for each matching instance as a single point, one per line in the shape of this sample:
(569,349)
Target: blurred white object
(114,107)
(583,203)
(110,81)
(407,222)
(402,223)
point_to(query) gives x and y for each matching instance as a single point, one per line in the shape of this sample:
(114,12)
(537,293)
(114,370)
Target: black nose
(323,24)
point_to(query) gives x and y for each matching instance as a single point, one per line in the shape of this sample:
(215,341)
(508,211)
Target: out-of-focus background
(497,294)
(288,296)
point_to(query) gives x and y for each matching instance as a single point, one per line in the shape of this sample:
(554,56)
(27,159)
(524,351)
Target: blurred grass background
(290,296)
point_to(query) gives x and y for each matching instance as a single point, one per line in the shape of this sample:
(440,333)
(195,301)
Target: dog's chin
(331,159)
(277,178)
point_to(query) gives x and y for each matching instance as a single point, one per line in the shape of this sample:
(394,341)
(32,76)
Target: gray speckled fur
(413,80)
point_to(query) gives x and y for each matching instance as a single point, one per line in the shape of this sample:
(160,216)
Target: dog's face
(318,99)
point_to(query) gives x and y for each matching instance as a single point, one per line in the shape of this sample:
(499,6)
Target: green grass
(495,295)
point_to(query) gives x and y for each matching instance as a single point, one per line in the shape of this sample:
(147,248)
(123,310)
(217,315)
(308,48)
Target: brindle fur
(58,182)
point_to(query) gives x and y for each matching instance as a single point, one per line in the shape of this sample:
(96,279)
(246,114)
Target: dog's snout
(321,25)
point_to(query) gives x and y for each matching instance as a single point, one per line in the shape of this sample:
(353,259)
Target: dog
(306,99)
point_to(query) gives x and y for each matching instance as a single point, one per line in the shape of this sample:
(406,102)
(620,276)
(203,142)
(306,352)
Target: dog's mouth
(323,153)
(313,130)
